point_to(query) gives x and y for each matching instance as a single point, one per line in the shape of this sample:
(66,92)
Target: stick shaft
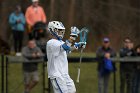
(81,57)
(78,75)
(83,38)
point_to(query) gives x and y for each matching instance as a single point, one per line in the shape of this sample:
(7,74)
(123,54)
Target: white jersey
(57,59)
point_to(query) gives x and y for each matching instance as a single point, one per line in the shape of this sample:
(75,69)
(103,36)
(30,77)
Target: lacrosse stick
(83,37)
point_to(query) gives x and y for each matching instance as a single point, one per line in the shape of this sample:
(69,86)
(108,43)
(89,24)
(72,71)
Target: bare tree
(71,12)
(52,9)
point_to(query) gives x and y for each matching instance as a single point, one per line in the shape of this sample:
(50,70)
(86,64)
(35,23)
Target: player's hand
(130,46)
(18,21)
(34,55)
(38,54)
(84,46)
(80,45)
(74,33)
(107,55)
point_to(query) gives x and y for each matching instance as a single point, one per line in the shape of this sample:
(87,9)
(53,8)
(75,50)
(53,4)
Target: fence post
(43,83)
(7,74)
(2,73)
(49,85)
(114,79)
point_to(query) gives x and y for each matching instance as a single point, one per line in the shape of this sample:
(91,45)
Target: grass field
(88,78)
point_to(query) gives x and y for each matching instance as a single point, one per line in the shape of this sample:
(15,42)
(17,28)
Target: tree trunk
(52,9)
(71,13)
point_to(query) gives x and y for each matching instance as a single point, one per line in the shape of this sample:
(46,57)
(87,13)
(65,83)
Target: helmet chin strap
(55,35)
(61,36)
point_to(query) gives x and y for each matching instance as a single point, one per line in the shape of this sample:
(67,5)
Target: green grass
(88,79)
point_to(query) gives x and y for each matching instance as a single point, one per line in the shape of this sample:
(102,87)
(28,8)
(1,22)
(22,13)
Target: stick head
(83,34)
(84,29)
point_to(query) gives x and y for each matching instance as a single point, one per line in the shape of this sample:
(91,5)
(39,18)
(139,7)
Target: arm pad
(67,46)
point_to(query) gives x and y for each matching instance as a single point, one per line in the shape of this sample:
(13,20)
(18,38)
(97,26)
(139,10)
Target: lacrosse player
(57,57)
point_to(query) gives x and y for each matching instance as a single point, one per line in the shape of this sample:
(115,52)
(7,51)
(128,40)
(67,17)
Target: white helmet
(35,0)
(54,27)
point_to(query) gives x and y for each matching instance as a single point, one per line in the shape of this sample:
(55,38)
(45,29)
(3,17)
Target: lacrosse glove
(80,45)
(74,32)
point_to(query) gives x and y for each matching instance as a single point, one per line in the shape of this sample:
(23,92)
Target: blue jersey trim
(65,47)
(58,86)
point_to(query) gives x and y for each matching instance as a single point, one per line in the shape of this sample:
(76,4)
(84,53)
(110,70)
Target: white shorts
(63,85)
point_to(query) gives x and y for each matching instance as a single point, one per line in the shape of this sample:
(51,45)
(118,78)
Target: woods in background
(113,18)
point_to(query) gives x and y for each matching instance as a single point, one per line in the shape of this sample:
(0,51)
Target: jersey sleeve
(12,21)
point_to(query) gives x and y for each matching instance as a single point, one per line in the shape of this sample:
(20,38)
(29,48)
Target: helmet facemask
(60,32)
